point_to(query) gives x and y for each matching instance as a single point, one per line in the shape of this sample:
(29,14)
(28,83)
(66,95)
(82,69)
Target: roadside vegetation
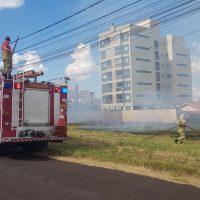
(158,153)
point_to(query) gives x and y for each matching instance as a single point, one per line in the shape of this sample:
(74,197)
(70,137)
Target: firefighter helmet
(7,38)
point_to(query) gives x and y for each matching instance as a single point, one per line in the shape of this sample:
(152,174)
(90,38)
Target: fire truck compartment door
(36,106)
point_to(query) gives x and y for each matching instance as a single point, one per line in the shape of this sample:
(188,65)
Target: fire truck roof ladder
(18,99)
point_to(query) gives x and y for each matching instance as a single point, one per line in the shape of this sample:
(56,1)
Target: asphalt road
(39,178)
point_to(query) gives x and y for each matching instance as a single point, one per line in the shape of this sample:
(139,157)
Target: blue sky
(21,17)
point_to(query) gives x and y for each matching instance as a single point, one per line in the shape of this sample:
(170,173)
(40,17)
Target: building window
(140,35)
(169,86)
(156,54)
(105,54)
(181,54)
(169,75)
(107,76)
(157,66)
(142,59)
(157,87)
(120,86)
(143,48)
(155,44)
(182,65)
(119,50)
(125,72)
(157,76)
(107,99)
(123,98)
(107,87)
(105,109)
(144,95)
(126,62)
(124,36)
(105,42)
(143,71)
(158,95)
(118,62)
(119,98)
(127,97)
(182,85)
(143,83)
(183,95)
(128,107)
(117,38)
(182,75)
(106,65)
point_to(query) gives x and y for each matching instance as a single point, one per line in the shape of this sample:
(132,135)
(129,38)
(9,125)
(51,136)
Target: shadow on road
(28,157)
(18,154)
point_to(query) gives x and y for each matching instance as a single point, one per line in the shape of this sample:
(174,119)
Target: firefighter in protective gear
(7,58)
(181,129)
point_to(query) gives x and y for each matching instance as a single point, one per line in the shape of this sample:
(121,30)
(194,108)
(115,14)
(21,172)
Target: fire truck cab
(32,113)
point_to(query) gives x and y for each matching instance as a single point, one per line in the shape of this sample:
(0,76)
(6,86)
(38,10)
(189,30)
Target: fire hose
(193,130)
(170,130)
(161,133)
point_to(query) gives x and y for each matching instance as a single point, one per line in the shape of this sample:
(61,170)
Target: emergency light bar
(17,85)
(7,85)
(64,90)
(57,89)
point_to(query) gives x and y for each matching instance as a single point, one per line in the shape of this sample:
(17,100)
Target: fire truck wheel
(32,147)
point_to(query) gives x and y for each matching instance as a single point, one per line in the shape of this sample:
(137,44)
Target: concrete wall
(132,116)
(150,116)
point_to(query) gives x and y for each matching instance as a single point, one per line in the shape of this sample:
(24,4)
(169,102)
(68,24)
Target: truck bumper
(33,139)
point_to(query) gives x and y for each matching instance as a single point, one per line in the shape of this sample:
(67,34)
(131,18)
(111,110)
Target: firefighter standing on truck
(181,129)
(7,58)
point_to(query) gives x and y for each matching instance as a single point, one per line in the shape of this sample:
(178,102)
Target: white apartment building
(141,69)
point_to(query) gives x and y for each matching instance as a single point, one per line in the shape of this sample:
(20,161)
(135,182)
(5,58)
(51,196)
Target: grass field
(159,153)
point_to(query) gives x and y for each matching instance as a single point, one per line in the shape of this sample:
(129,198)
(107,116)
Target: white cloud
(196,45)
(29,61)
(195,63)
(11,3)
(83,64)
(196,93)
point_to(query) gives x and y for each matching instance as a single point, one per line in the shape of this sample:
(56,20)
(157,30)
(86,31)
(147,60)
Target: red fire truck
(32,113)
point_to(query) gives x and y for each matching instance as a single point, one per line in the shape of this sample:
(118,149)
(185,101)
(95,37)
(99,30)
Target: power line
(95,27)
(168,9)
(56,29)
(66,18)
(83,25)
(91,28)
(67,53)
(190,33)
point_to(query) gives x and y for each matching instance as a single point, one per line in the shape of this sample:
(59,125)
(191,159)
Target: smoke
(29,61)
(82,65)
